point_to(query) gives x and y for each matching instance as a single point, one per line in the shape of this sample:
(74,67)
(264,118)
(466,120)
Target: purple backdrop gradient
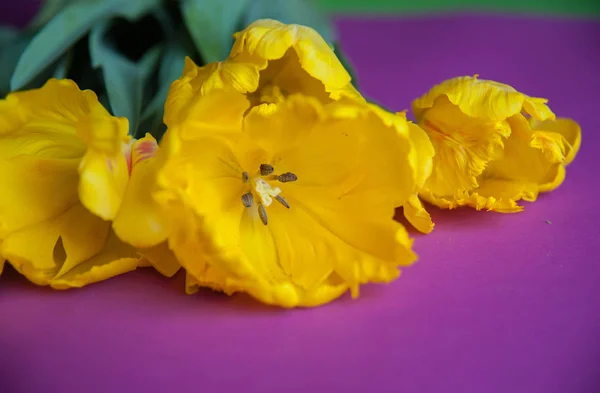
(497,303)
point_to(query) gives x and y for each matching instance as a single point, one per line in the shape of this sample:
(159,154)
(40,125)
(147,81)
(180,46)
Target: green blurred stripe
(566,7)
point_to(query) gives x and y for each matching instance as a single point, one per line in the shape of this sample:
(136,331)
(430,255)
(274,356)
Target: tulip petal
(463,146)
(35,189)
(423,153)
(482,99)
(12,115)
(57,245)
(162,259)
(530,157)
(61,101)
(271,40)
(141,221)
(114,259)
(280,128)
(103,169)
(417,215)
(568,129)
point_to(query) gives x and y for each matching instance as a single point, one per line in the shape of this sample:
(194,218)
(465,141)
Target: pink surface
(497,303)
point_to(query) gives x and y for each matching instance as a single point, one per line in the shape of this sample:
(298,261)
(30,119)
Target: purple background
(497,303)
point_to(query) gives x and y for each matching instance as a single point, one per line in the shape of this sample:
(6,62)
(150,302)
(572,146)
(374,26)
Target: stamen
(282,200)
(245,177)
(247,199)
(287,177)
(262,213)
(266,169)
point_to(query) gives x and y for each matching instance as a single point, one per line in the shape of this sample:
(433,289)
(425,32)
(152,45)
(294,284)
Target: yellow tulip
(493,145)
(292,203)
(64,170)
(268,61)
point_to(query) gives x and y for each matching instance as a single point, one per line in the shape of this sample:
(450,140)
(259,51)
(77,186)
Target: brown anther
(282,200)
(266,169)
(262,213)
(245,177)
(247,199)
(287,177)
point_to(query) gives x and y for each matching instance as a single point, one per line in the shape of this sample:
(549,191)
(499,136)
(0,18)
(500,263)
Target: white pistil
(265,191)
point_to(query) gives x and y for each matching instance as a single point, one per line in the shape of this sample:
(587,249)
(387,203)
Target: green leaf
(68,26)
(47,11)
(178,45)
(211,24)
(62,66)
(7,34)
(11,46)
(81,70)
(170,69)
(11,49)
(301,12)
(124,79)
(346,63)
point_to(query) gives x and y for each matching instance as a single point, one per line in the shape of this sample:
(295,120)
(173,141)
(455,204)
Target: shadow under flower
(461,217)
(146,291)
(12,279)
(244,302)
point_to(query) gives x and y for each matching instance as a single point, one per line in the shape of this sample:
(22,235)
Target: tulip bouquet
(150,133)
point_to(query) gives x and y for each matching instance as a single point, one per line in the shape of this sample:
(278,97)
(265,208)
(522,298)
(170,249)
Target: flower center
(264,191)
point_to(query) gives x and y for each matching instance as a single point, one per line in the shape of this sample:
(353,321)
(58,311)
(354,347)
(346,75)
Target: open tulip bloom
(275,177)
